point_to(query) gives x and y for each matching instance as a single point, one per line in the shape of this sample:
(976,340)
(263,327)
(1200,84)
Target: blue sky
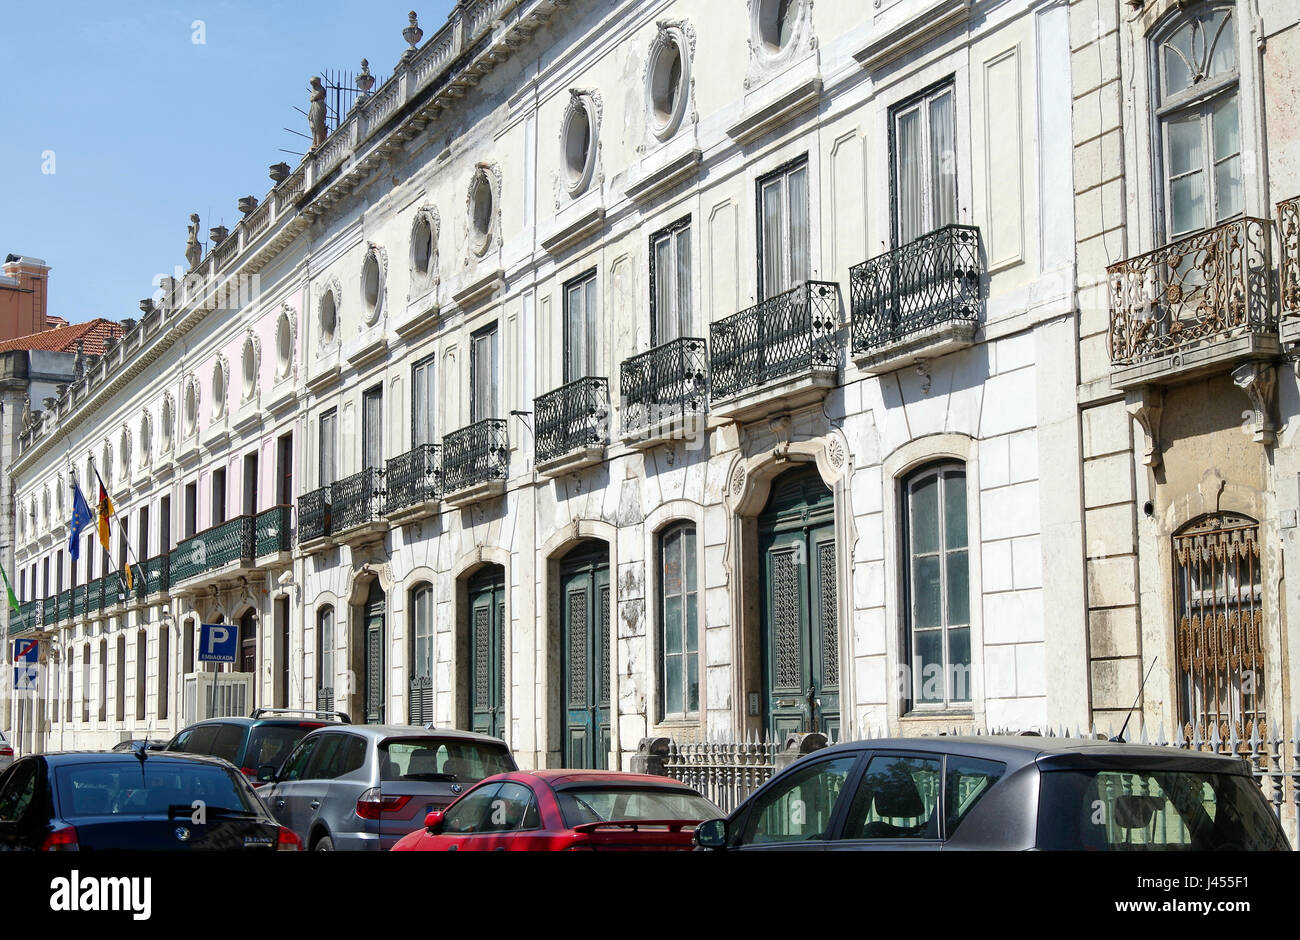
(145,125)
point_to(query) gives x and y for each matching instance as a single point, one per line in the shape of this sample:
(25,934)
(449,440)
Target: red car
(558,810)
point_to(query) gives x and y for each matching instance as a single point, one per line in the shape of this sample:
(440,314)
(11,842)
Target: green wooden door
(487,607)
(800,626)
(585,610)
(373,618)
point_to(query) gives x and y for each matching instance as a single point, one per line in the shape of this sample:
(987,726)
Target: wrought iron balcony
(64,611)
(78,602)
(314,515)
(357,500)
(50,610)
(231,541)
(413,479)
(273,531)
(923,294)
(1201,302)
(1288,235)
(151,577)
(664,386)
(26,617)
(474,456)
(785,337)
(572,422)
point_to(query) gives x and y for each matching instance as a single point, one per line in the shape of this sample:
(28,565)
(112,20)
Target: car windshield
(619,804)
(146,788)
(1157,810)
(440,759)
(271,744)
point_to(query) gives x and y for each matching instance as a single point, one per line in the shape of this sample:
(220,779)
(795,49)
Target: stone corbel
(1258,379)
(1145,405)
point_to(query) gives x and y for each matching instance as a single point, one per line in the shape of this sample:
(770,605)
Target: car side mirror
(711,834)
(266,773)
(433,822)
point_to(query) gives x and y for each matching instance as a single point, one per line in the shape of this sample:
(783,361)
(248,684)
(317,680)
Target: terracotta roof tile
(92,334)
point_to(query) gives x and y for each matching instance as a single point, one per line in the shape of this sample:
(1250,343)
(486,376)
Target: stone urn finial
(247,204)
(279,172)
(146,306)
(412,34)
(218,234)
(365,81)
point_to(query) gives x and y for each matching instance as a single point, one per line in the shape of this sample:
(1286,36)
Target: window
(372,285)
(250,368)
(580,128)
(938,587)
(421,699)
(472,812)
(283,345)
(679,623)
(923,163)
(670,283)
(1219,618)
(325,659)
(580,328)
(783,237)
(422,402)
(896,799)
(328,446)
(218,496)
(799,808)
(329,318)
(481,211)
(483,374)
(372,427)
(1196,112)
(968,780)
(103,680)
(296,765)
(668,79)
(164,669)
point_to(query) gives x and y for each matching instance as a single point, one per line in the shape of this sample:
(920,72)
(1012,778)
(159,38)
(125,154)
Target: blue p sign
(218,642)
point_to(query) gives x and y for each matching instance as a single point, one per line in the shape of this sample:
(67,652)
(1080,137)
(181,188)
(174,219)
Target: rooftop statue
(192,250)
(316,114)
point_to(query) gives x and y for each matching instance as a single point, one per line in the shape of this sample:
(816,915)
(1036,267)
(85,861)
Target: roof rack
(313,712)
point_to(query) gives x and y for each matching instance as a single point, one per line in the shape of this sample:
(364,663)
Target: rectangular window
(679,623)
(250,484)
(483,374)
(164,669)
(670,279)
(421,697)
(422,402)
(284,470)
(923,163)
(165,525)
(123,541)
(282,634)
(581,336)
(142,551)
(372,427)
(141,672)
(783,229)
(191,509)
(328,447)
(103,680)
(938,588)
(325,661)
(85,684)
(218,496)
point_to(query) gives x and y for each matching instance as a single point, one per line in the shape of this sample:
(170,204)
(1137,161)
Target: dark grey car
(366,786)
(1002,792)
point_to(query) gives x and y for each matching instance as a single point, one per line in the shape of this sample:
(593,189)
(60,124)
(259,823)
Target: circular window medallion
(484,190)
(779,28)
(284,343)
(373,270)
(328,311)
(250,363)
(579,133)
(668,77)
(219,389)
(191,407)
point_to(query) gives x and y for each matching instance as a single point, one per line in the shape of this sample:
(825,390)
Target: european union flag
(81,517)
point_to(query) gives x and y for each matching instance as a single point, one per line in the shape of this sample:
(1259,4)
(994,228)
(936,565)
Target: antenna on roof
(1119,738)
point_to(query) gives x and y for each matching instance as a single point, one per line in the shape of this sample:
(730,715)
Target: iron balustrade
(77,605)
(50,609)
(272,531)
(214,548)
(668,381)
(357,499)
(477,453)
(151,577)
(572,417)
(27,617)
(1288,234)
(788,333)
(413,478)
(314,514)
(65,605)
(1205,287)
(930,281)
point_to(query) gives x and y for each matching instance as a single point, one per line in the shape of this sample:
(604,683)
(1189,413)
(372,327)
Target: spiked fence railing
(726,772)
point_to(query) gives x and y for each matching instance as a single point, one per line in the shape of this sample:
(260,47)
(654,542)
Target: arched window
(325,659)
(421,685)
(1195,77)
(936,581)
(1218,610)
(679,627)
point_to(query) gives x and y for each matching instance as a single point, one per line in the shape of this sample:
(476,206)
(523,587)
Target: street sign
(218,642)
(26,657)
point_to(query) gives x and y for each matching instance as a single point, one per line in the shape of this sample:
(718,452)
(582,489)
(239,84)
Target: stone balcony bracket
(1258,379)
(1146,404)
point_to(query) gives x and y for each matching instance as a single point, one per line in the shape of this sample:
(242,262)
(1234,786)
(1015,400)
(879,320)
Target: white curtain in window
(774,228)
(328,424)
(422,403)
(373,419)
(908,162)
(665,319)
(943,160)
(683,326)
(799,239)
(483,368)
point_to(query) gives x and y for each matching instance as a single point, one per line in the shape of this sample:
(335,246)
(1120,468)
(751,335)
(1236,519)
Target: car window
(271,744)
(897,798)
(435,759)
(514,808)
(178,743)
(596,804)
(321,765)
(297,762)
(228,743)
(201,738)
(798,807)
(968,781)
(472,812)
(150,788)
(18,792)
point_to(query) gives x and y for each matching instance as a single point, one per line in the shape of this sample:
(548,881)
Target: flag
(105,510)
(81,516)
(9,588)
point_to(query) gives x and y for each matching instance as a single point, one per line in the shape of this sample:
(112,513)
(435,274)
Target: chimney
(24,289)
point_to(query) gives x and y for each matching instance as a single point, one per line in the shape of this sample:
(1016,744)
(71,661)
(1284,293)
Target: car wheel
(324,844)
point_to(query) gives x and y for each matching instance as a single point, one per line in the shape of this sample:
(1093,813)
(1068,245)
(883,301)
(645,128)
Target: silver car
(6,752)
(366,786)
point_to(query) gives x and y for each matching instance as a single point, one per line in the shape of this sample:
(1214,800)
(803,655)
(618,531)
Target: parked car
(263,739)
(138,800)
(1002,792)
(557,810)
(6,752)
(366,786)
(149,744)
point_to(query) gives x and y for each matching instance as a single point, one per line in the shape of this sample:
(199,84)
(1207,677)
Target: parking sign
(218,642)
(26,656)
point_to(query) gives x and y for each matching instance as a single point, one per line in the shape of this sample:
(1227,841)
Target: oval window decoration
(191,406)
(668,77)
(424,250)
(579,137)
(146,440)
(284,333)
(219,388)
(778,28)
(374,269)
(484,192)
(168,422)
(251,361)
(329,313)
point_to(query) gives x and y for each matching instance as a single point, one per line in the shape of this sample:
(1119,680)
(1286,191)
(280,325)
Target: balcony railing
(1209,286)
(785,334)
(272,531)
(669,381)
(64,611)
(214,548)
(151,577)
(1288,234)
(51,609)
(478,453)
(572,417)
(357,499)
(26,617)
(314,515)
(413,478)
(931,281)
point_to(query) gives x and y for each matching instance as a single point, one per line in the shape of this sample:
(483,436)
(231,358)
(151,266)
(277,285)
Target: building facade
(674,369)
